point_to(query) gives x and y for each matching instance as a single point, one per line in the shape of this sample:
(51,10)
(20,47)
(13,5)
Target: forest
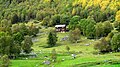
(88,21)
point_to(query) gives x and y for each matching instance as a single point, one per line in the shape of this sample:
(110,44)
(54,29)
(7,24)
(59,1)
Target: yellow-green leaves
(117,18)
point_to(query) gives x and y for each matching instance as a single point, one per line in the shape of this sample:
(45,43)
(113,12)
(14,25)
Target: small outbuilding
(60,28)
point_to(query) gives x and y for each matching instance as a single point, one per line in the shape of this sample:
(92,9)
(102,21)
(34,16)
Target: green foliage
(103,29)
(100,16)
(23,29)
(40,15)
(18,38)
(52,39)
(67,48)
(46,21)
(74,35)
(52,12)
(25,10)
(103,45)
(5,25)
(99,30)
(90,30)
(6,43)
(109,36)
(54,55)
(8,46)
(32,29)
(15,28)
(107,27)
(55,20)
(117,15)
(64,19)
(27,44)
(116,24)
(5,61)
(14,18)
(115,42)
(88,27)
(73,22)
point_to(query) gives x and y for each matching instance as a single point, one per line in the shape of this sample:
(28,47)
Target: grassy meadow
(86,55)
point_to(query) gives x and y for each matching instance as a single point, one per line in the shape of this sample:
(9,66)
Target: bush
(116,24)
(107,28)
(103,46)
(74,35)
(115,42)
(54,55)
(27,44)
(5,61)
(67,48)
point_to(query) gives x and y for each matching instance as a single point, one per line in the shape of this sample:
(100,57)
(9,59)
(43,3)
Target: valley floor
(86,55)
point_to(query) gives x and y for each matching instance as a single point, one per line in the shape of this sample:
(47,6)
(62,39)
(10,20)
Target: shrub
(67,48)
(103,45)
(54,55)
(52,39)
(74,35)
(5,61)
(115,42)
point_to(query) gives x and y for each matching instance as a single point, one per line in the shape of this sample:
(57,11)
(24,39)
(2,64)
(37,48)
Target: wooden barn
(60,28)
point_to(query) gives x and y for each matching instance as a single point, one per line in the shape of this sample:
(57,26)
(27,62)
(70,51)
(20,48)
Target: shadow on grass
(88,64)
(46,46)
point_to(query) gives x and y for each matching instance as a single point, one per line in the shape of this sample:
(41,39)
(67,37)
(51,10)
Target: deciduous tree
(74,35)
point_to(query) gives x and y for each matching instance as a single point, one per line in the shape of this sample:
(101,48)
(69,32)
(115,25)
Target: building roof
(60,25)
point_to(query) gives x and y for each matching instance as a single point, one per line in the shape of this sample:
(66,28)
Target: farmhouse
(60,28)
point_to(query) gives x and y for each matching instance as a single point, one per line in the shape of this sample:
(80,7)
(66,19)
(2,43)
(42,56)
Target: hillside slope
(46,10)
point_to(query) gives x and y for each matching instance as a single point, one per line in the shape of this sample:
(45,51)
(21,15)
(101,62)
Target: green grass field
(86,55)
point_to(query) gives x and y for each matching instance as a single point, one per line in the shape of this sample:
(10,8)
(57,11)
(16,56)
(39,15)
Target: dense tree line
(51,12)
